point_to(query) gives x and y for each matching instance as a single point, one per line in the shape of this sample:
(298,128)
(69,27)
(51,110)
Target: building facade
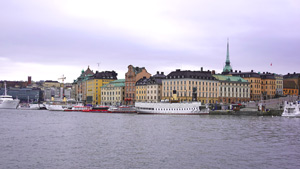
(201,84)
(80,84)
(150,90)
(131,77)
(233,89)
(255,83)
(290,88)
(268,85)
(94,84)
(293,77)
(279,85)
(113,93)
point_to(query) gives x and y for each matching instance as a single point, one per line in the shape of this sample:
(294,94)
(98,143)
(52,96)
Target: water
(44,139)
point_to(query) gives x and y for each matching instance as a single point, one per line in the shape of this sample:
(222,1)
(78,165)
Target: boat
(37,106)
(172,107)
(121,109)
(61,105)
(79,108)
(7,101)
(99,109)
(291,109)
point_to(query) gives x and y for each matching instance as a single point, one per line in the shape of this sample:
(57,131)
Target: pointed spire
(227,67)
(227,56)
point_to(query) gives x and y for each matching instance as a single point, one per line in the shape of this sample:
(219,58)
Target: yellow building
(268,85)
(255,83)
(94,84)
(200,84)
(141,90)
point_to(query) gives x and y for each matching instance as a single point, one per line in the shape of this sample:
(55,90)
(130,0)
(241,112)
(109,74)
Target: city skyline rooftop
(46,40)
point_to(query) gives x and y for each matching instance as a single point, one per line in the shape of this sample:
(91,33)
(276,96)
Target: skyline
(46,40)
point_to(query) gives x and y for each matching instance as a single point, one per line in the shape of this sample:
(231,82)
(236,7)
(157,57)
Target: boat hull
(9,104)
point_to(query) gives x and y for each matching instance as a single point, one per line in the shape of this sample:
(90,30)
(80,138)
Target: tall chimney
(157,72)
(29,80)
(201,69)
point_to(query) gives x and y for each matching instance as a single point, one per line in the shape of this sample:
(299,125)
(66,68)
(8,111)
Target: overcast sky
(46,39)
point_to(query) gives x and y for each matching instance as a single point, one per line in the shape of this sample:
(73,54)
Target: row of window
(147,97)
(190,83)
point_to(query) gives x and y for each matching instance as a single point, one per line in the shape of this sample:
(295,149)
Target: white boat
(61,105)
(193,108)
(172,106)
(34,106)
(7,101)
(291,109)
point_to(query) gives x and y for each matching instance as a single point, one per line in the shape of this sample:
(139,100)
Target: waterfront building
(233,89)
(268,85)
(141,90)
(25,95)
(150,90)
(200,84)
(80,84)
(50,92)
(154,87)
(255,83)
(227,68)
(279,85)
(94,84)
(131,77)
(113,93)
(293,77)
(290,88)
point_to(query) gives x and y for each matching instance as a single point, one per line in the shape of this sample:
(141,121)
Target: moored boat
(7,101)
(291,109)
(122,109)
(193,108)
(172,107)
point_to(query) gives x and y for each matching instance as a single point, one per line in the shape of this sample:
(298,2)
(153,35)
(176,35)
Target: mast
(5,91)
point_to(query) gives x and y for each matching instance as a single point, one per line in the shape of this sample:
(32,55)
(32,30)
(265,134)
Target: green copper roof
(116,83)
(229,78)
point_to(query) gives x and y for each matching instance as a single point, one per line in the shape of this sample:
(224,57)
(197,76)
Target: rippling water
(44,139)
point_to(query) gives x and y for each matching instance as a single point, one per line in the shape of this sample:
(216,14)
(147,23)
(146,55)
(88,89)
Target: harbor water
(49,139)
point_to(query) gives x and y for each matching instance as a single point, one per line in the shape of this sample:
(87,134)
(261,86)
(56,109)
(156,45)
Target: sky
(47,39)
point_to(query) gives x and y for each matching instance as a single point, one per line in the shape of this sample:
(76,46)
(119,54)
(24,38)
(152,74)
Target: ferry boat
(61,105)
(291,109)
(173,107)
(7,101)
(98,109)
(121,109)
(79,108)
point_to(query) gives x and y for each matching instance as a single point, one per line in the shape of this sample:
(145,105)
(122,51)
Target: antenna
(98,65)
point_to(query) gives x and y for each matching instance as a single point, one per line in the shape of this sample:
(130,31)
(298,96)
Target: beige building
(113,93)
(200,84)
(279,85)
(150,90)
(233,89)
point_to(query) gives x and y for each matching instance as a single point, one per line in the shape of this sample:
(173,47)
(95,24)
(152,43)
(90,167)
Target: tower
(227,67)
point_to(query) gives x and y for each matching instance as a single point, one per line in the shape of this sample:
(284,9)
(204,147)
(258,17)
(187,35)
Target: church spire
(227,67)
